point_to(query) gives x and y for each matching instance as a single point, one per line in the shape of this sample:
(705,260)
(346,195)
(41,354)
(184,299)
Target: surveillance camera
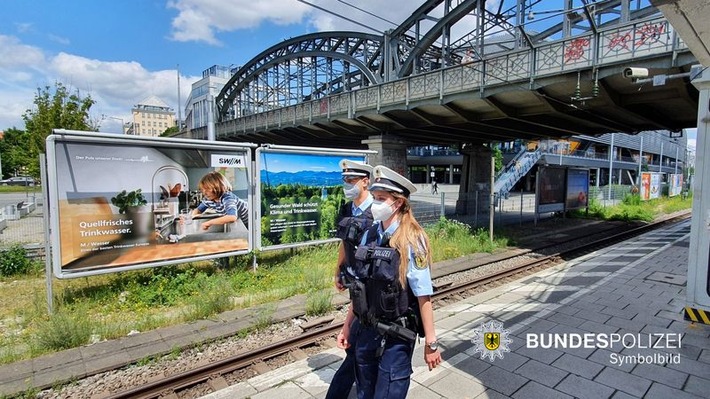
(635,73)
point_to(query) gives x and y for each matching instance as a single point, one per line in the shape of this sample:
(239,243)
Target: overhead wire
(523,86)
(369,13)
(341,16)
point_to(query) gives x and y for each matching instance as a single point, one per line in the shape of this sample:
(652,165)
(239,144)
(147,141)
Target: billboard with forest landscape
(299,195)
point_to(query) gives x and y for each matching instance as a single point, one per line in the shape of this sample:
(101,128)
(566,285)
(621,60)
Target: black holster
(358,297)
(396,331)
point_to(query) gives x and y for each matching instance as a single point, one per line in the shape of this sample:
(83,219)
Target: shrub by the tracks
(452,239)
(63,330)
(14,261)
(319,302)
(112,305)
(633,208)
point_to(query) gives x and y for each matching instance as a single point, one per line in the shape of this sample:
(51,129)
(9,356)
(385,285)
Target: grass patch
(14,261)
(63,330)
(319,303)
(632,208)
(112,305)
(452,239)
(264,316)
(20,189)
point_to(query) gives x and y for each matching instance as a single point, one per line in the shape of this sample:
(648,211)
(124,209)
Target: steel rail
(204,373)
(600,243)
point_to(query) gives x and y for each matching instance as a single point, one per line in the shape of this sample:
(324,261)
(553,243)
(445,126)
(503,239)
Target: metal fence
(22,220)
(26,227)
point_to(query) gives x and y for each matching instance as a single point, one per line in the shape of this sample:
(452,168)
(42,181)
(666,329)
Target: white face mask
(351,190)
(382,210)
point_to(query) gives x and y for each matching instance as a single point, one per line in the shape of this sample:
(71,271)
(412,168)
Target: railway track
(212,374)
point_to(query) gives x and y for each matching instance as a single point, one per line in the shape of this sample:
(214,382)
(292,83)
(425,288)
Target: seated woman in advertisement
(218,196)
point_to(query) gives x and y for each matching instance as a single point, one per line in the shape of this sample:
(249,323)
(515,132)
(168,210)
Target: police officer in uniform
(354,219)
(390,293)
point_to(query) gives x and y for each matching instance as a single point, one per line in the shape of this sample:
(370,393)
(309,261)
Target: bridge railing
(613,45)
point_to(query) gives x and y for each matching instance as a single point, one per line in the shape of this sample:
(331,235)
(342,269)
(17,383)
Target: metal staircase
(516,169)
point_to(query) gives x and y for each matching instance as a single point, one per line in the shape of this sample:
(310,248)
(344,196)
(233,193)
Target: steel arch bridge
(442,34)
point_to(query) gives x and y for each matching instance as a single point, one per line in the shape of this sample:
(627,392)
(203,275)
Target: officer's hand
(432,358)
(342,340)
(338,283)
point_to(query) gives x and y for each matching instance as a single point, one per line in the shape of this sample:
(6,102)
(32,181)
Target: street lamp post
(123,125)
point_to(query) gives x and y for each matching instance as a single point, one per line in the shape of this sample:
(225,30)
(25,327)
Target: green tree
(498,155)
(15,159)
(169,131)
(56,108)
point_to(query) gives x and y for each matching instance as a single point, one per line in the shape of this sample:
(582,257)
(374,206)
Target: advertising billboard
(577,189)
(650,185)
(300,193)
(125,202)
(675,184)
(550,189)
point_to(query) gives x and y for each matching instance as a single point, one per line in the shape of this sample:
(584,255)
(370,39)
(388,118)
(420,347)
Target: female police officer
(390,295)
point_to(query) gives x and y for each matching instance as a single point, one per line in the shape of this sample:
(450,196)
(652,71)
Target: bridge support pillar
(474,190)
(391,152)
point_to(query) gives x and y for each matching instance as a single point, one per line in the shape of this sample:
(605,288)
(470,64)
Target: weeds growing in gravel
(63,330)
(319,302)
(112,305)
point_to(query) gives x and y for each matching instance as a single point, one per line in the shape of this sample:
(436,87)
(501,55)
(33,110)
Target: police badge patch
(491,340)
(420,262)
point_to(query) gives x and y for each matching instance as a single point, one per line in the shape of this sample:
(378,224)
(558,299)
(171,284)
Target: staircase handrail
(508,178)
(510,163)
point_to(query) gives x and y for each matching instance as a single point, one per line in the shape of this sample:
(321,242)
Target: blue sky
(121,52)
(286,162)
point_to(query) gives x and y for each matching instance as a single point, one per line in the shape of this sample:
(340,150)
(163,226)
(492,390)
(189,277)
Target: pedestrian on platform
(354,218)
(390,293)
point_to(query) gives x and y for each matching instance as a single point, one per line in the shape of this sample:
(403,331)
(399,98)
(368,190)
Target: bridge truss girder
(300,69)
(322,66)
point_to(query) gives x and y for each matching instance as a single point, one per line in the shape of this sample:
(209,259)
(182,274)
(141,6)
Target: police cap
(388,180)
(355,169)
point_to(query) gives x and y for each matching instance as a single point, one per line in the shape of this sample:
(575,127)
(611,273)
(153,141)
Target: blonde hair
(216,182)
(409,234)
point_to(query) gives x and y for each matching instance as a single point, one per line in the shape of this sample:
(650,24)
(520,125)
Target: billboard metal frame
(257,191)
(79,137)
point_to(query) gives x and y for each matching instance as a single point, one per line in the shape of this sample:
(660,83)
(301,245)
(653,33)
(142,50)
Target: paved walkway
(635,290)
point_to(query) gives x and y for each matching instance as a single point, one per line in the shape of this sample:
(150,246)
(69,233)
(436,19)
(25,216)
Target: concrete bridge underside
(503,80)
(506,112)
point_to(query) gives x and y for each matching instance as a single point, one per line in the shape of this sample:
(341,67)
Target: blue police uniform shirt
(418,279)
(359,210)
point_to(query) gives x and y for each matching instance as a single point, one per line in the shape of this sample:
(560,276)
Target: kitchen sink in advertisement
(122,203)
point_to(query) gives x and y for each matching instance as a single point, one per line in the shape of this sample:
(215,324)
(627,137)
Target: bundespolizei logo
(491,340)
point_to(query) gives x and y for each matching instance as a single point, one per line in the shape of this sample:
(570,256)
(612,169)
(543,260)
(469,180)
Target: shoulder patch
(420,262)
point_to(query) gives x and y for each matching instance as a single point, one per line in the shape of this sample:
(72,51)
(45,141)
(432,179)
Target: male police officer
(354,219)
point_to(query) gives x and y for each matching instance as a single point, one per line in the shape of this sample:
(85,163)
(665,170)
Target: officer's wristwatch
(434,346)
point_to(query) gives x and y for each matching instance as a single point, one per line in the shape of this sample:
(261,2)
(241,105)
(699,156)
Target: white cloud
(23,27)
(59,39)
(115,86)
(199,20)
(14,55)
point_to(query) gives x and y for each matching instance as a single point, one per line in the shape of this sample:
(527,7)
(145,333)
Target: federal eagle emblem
(420,262)
(491,340)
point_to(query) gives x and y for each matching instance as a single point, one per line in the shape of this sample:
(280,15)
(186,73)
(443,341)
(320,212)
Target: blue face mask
(351,190)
